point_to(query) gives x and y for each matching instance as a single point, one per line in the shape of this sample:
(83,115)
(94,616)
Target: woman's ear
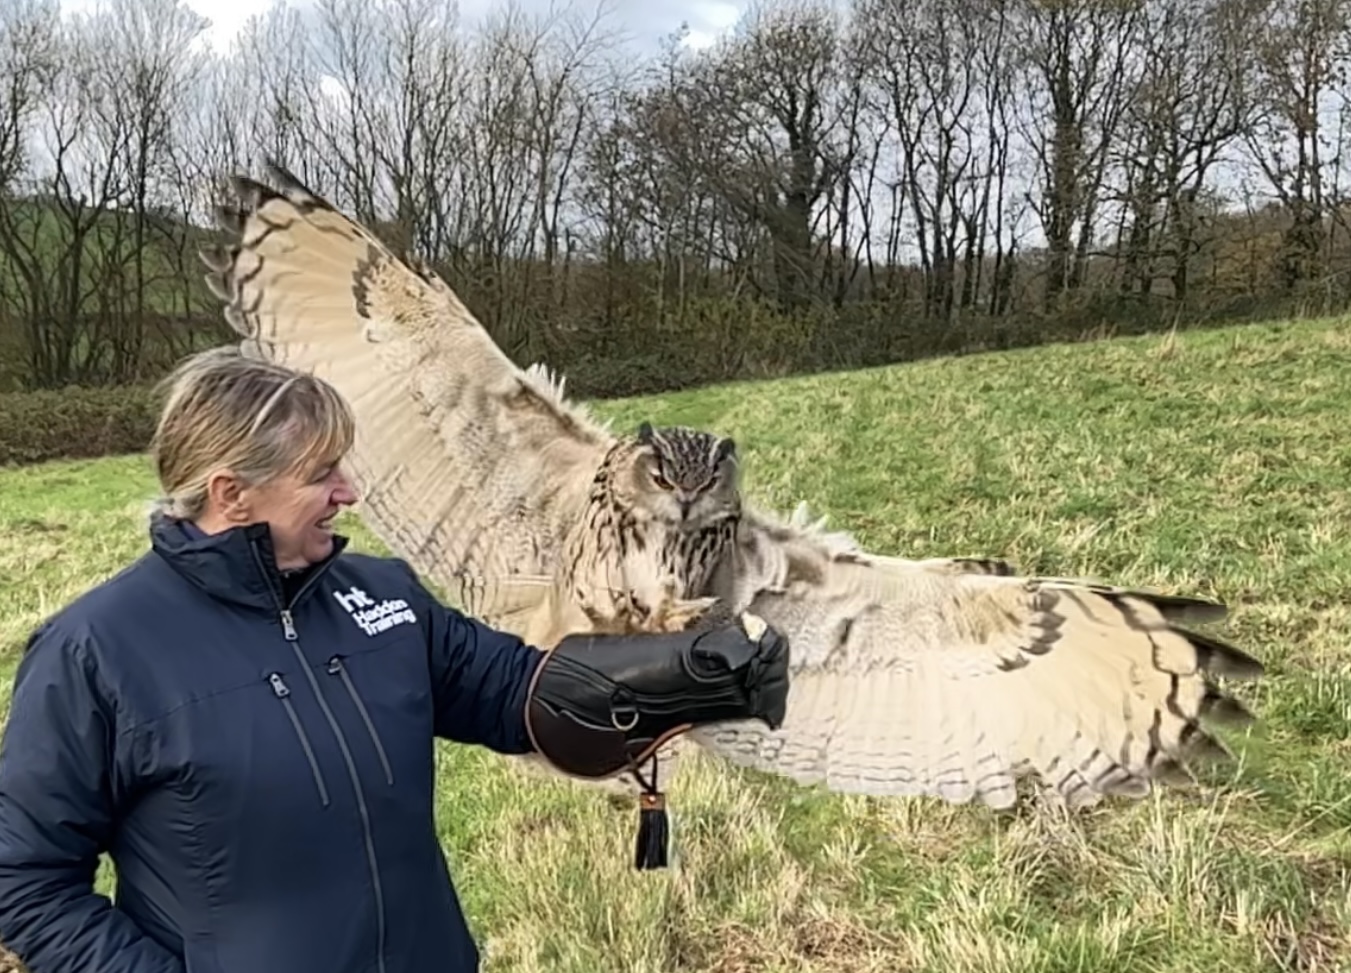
(227,495)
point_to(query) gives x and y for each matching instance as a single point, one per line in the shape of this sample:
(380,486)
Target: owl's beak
(685,503)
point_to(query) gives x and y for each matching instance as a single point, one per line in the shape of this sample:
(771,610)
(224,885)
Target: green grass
(1215,463)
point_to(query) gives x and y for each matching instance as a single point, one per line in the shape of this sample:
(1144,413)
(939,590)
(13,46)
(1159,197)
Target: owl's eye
(661,481)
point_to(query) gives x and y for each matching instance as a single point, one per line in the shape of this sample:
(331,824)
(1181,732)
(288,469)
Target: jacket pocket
(336,668)
(199,954)
(283,692)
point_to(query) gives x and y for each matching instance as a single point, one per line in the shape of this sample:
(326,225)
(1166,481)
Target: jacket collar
(237,565)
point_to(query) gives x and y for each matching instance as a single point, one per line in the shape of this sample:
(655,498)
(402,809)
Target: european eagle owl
(945,677)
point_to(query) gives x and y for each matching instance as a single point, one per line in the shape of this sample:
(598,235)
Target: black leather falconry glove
(602,704)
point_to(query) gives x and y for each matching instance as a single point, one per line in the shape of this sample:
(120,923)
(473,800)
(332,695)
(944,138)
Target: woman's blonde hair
(260,420)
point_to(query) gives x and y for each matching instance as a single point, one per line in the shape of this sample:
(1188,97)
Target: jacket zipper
(283,692)
(335,667)
(293,638)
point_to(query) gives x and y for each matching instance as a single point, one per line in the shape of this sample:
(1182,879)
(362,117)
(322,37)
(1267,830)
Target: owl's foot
(673,614)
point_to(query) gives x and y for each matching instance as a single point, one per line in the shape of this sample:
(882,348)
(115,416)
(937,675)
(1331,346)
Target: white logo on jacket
(370,617)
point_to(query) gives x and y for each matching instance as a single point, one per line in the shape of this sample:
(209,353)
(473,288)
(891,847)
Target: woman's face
(300,509)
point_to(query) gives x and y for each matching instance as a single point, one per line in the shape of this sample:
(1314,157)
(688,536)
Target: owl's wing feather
(470,467)
(922,678)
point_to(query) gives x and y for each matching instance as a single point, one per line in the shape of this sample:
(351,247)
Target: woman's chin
(320,544)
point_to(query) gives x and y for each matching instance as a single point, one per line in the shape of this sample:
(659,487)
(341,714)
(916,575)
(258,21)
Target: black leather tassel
(653,832)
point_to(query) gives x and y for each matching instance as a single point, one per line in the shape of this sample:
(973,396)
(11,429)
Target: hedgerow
(75,423)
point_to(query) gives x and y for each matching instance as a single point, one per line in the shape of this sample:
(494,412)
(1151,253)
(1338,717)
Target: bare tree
(1080,62)
(1301,59)
(758,118)
(825,184)
(936,70)
(1189,106)
(27,62)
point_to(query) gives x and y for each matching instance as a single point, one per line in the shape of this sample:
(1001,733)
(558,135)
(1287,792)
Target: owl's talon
(678,614)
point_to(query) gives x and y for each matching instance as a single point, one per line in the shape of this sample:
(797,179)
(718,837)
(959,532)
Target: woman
(243,719)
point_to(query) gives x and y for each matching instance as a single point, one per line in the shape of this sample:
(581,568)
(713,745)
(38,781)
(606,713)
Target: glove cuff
(586,725)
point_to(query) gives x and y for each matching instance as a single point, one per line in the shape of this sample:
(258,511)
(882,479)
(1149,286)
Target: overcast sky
(646,22)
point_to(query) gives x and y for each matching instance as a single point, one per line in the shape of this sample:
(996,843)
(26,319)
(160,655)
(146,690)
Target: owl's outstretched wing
(469,467)
(954,678)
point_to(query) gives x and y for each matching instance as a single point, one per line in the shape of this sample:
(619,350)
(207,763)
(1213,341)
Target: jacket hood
(237,565)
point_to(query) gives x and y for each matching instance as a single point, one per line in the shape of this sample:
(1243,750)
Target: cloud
(226,17)
(646,23)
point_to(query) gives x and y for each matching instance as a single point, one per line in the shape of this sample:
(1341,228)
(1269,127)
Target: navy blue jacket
(261,775)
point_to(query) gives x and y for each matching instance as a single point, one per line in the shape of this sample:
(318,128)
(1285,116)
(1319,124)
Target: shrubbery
(643,351)
(75,423)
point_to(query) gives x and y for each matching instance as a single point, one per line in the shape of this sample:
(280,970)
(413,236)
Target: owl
(953,678)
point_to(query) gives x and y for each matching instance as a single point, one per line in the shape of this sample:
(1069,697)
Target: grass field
(1216,464)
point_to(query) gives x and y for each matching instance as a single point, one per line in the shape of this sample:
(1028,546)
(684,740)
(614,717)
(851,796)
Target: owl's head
(685,477)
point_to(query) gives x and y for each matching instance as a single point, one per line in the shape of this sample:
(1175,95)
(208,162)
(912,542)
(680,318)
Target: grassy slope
(1216,465)
(110,242)
(42,225)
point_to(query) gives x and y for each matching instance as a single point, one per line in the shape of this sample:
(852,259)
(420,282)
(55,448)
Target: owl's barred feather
(948,677)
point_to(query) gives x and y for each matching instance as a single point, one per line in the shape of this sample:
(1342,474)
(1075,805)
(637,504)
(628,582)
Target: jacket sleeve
(58,811)
(480,677)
